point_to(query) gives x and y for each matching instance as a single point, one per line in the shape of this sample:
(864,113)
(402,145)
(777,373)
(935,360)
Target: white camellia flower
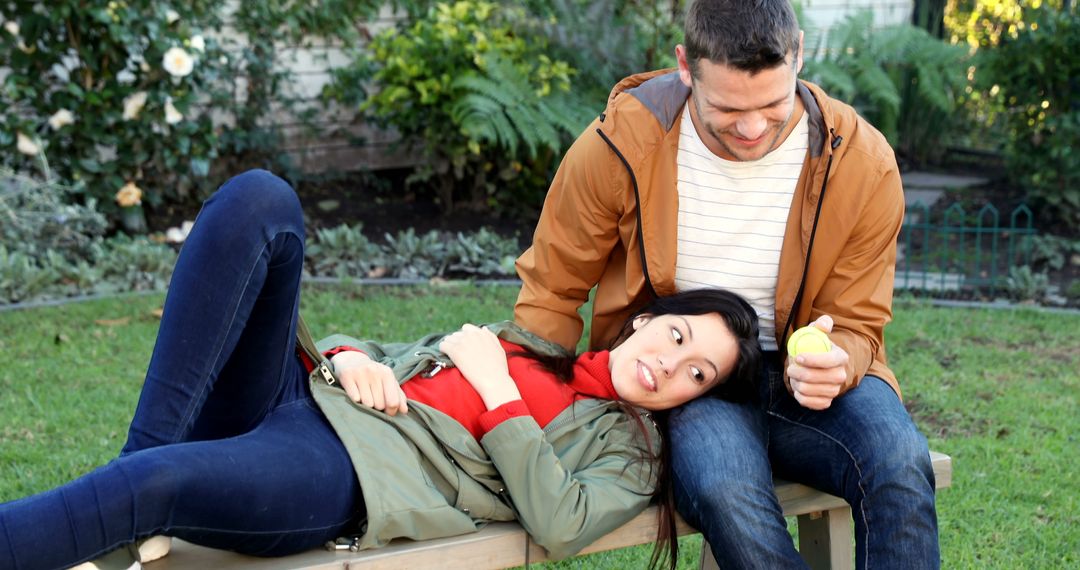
(178,62)
(26,145)
(172,115)
(61,119)
(12,27)
(171,16)
(133,104)
(198,43)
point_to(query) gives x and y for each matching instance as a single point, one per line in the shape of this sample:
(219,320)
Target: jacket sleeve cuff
(492,418)
(339,349)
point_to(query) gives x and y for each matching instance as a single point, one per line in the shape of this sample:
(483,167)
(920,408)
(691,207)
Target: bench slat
(498,545)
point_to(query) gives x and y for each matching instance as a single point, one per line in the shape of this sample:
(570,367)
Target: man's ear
(799,55)
(684,67)
(640,321)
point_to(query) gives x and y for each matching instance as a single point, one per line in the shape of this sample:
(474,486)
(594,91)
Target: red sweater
(543,396)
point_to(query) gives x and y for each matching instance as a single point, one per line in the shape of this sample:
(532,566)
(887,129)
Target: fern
(899,77)
(501,106)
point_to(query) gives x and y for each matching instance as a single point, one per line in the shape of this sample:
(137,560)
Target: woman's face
(672,359)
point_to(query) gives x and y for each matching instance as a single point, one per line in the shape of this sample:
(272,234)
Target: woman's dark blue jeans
(227,448)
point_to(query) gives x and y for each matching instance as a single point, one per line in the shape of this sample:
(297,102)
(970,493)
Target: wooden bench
(824,538)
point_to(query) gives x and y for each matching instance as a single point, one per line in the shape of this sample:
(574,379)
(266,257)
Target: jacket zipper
(637,201)
(834,143)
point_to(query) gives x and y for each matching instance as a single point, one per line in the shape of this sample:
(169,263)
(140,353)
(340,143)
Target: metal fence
(961,251)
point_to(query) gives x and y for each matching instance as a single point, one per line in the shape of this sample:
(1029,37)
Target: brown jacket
(611,214)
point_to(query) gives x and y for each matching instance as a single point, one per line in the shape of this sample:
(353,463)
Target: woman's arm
(563,510)
(368,382)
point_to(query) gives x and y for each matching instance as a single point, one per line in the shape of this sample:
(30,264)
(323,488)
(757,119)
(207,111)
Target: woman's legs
(228,328)
(284,487)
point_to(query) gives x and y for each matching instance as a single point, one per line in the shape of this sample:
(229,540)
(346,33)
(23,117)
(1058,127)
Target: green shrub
(39,216)
(1023,284)
(343,251)
(482,253)
(904,81)
(21,278)
(475,96)
(412,256)
(138,94)
(133,264)
(1053,252)
(1032,75)
(111,92)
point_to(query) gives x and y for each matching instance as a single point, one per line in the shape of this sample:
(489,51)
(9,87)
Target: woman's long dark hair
(740,385)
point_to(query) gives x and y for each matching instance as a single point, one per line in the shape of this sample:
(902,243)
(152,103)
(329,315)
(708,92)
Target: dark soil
(380,203)
(384,205)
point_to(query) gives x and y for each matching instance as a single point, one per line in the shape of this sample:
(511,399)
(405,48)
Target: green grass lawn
(997,390)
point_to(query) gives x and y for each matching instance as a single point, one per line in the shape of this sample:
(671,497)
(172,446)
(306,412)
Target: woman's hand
(477,353)
(369,383)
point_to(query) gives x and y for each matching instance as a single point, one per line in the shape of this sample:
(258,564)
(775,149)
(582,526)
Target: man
(730,172)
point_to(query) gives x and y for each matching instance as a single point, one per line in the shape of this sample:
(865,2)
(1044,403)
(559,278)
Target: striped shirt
(732,217)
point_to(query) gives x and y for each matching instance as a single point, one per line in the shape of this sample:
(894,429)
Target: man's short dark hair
(749,35)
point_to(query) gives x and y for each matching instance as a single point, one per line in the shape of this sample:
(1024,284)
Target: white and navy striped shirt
(732,217)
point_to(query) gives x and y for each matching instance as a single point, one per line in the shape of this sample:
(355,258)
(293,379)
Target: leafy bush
(39,216)
(56,249)
(21,277)
(133,264)
(111,93)
(1033,76)
(412,256)
(607,40)
(483,253)
(904,81)
(471,92)
(1023,284)
(344,251)
(152,98)
(1054,252)
(116,265)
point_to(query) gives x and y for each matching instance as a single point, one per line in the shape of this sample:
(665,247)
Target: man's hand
(816,379)
(482,360)
(369,383)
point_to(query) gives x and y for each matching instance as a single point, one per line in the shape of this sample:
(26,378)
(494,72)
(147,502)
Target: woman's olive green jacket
(424,476)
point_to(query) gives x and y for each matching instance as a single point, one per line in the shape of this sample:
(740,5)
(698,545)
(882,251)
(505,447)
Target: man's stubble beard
(716,135)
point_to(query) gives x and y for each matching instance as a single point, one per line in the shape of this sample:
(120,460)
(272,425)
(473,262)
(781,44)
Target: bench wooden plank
(504,545)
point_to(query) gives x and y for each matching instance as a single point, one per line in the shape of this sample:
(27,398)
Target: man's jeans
(864,448)
(227,447)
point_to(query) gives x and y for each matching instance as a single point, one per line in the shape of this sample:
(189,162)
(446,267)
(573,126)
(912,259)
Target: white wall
(820,15)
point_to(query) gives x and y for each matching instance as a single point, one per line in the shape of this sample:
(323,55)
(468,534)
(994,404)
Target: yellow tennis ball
(808,340)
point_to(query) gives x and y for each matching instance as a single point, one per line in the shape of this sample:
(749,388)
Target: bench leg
(825,539)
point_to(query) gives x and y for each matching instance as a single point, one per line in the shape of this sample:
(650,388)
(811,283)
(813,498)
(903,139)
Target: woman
(243,441)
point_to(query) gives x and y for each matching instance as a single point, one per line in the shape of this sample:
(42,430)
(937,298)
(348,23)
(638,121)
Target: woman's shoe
(130,556)
(150,549)
(124,558)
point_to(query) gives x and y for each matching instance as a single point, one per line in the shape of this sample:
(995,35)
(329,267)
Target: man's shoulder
(859,135)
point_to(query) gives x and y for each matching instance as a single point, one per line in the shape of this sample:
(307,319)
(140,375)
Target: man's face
(739,115)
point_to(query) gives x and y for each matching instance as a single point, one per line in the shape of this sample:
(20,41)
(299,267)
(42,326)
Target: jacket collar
(663,94)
